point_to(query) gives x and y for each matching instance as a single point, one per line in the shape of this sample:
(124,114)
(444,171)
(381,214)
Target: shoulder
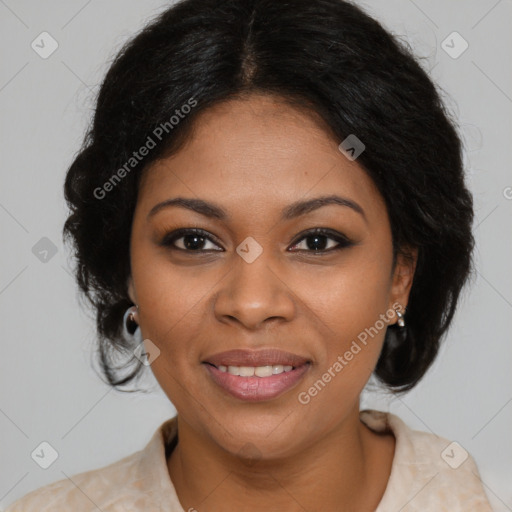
(139,481)
(428,470)
(83,491)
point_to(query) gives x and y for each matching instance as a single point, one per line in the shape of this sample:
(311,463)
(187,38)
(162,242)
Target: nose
(254,294)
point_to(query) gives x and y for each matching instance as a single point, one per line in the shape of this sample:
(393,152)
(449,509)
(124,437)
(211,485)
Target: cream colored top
(428,474)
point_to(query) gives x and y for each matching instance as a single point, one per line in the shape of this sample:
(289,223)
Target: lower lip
(256,389)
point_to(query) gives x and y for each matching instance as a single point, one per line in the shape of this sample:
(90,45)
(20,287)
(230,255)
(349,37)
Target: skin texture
(254,156)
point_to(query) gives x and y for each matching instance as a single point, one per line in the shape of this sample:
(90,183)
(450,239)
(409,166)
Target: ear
(403,276)
(131,290)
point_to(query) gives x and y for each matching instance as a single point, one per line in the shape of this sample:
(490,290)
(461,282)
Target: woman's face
(255,282)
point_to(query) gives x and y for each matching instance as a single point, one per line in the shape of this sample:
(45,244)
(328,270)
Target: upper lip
(262,357)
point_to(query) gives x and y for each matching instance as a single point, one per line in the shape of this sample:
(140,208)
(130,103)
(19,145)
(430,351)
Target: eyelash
(169,239)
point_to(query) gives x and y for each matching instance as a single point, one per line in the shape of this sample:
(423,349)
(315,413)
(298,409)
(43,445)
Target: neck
(350,465)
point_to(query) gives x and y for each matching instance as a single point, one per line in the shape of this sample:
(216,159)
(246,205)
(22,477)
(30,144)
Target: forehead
(257,155)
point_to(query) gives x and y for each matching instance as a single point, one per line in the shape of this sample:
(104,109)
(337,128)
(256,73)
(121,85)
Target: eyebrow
(212,210)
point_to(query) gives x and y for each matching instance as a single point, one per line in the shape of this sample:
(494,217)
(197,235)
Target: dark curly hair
(324,56)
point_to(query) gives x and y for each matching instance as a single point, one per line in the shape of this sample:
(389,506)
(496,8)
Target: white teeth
(258,371)
(246,371)
(263,371)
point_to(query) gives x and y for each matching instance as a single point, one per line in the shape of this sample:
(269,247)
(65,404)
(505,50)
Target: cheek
(350,302)
(172,319)
(171,302)
(351,297)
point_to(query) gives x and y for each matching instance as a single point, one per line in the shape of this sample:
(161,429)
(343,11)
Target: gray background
(49,392)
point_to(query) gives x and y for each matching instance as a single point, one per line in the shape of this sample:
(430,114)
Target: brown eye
(194,240)
(316,241)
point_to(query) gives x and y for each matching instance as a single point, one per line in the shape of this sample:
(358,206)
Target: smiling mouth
(255,371)
(256,383)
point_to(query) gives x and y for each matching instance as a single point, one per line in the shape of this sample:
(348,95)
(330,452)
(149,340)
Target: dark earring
(130,319)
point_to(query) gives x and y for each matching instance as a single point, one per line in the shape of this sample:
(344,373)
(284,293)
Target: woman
(270,207)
